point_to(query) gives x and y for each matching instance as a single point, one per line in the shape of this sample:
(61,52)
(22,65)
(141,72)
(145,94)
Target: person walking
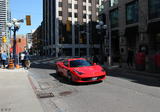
(4,58)
(130,57)
(27,62)
(22,55)
(0,60)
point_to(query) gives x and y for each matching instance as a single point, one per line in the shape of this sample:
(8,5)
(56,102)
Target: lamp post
(14,26)
(101,27)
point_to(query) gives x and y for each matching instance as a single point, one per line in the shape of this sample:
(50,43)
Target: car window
(66,63)
(80,63)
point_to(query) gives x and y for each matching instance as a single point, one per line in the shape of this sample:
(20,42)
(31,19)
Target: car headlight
(80,73)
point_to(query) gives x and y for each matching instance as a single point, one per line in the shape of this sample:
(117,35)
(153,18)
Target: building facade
(134,24)
(5,17)
(37,46)
(67,24)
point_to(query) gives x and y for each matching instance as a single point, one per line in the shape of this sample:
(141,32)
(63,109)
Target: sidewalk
(16,93)
(126,69)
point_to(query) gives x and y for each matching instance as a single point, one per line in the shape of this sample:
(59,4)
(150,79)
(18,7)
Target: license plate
(95,78)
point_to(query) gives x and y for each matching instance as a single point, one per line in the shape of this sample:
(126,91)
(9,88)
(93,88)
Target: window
(76,6)
(75,15)
(66,63)
(154,8)
(80,63)
(67,51)
(90,1)
(132,12)
(90,8)
(60,4)
(84,16)
(69,5)
(90,16)
(60,13)
(84,7)
(114,18)
(70,14)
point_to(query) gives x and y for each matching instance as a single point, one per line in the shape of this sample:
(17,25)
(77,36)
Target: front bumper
(89,79)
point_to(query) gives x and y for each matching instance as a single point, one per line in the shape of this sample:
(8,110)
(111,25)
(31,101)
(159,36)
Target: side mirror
(65,64)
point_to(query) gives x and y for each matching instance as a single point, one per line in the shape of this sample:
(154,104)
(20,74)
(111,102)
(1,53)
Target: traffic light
(68,26)
(28,20)
(4,40)
(19,40)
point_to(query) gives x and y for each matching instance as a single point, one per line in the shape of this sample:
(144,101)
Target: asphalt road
(120,92)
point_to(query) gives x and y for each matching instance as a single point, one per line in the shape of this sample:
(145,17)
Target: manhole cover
(65,93)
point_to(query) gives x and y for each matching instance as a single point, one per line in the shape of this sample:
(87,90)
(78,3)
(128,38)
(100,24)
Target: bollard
(11,64)
(17,66)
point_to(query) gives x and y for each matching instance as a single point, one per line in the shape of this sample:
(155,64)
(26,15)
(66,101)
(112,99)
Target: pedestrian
(27,62)
(22,55)
(4,59)
(120,60)
(130,57)
(0,59)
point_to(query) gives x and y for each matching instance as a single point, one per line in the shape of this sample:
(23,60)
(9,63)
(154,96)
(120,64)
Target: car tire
(69,76)
(57,72)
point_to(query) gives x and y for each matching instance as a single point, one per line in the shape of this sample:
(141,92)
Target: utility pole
(110,45)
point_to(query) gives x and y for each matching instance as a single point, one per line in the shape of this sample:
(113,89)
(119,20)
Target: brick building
(21,43)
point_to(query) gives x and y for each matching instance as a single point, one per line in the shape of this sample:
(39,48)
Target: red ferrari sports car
(80,70)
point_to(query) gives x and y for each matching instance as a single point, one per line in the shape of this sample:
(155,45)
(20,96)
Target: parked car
(80,70)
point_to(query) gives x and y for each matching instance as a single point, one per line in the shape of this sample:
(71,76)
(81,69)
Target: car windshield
(79,63)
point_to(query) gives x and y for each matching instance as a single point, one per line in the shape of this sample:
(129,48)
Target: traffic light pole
(14,46)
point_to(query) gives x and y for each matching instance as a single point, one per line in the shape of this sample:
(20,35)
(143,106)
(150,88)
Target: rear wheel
(57,72)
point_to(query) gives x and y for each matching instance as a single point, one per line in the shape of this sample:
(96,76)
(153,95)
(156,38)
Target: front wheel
(69,76)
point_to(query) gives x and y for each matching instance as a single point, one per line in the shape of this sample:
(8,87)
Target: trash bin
(157,62)
(140,61)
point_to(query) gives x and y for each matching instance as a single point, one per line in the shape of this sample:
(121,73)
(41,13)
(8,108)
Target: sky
(21,8)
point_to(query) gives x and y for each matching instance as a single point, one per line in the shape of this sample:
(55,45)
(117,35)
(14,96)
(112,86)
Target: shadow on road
(64,80)
(136,78)
(43,66)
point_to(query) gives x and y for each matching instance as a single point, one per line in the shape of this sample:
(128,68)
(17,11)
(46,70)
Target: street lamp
(14,26)
(101,27)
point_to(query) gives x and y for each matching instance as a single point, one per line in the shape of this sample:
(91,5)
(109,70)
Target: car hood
(90,70)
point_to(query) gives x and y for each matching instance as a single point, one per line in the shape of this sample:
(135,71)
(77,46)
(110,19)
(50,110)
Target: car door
(65,68)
